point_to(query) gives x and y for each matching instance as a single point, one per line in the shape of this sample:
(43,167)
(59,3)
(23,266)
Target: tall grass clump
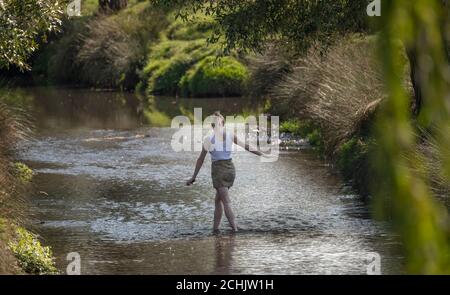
(102,51)
(13,127)
(336,91)
(114,47)
(403,194)
(267,69)
(8,263)
(108,55)
(339,91)
(430,164)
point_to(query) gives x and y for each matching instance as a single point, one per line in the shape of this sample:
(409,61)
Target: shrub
(297,127)
(315,139)
(168,61)
(290,126)
(352,160)
(350,155)
(32,256)
(225,76)
(165,79)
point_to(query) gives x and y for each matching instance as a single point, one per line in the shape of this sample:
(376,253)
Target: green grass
(211,76)
(169,61)
(166,76)
(184,63)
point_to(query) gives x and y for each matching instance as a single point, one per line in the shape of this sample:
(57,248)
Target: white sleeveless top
(219,149)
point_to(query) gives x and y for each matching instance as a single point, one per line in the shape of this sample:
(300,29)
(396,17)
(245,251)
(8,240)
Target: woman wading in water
(219,145)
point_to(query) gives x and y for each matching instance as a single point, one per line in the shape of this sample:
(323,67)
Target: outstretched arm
(246,146)
(198,165)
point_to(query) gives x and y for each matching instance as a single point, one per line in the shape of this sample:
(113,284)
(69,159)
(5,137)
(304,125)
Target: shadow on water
(108,186)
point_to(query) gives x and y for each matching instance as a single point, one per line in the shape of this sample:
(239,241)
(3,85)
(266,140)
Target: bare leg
(223,194)
(217,212)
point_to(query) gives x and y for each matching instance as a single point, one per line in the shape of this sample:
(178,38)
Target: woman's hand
(190,181)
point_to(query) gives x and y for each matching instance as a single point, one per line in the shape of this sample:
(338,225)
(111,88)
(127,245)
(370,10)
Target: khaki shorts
(223,173)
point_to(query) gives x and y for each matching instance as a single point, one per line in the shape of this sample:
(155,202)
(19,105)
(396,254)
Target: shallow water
(109,187)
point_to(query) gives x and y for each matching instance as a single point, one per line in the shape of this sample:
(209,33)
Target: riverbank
(20,250)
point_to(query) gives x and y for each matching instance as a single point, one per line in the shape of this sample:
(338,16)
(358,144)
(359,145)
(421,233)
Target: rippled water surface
(109,186)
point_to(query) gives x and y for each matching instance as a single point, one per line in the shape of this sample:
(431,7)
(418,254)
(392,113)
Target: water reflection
(63,109)
(224,247)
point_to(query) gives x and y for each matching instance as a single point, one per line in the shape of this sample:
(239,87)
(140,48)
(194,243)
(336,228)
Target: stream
(108,186)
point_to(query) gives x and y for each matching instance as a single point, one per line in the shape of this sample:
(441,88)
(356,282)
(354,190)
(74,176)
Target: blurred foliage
(22,24)
(403,193)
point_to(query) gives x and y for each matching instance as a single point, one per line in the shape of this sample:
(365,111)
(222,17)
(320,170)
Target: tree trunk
(112,5)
